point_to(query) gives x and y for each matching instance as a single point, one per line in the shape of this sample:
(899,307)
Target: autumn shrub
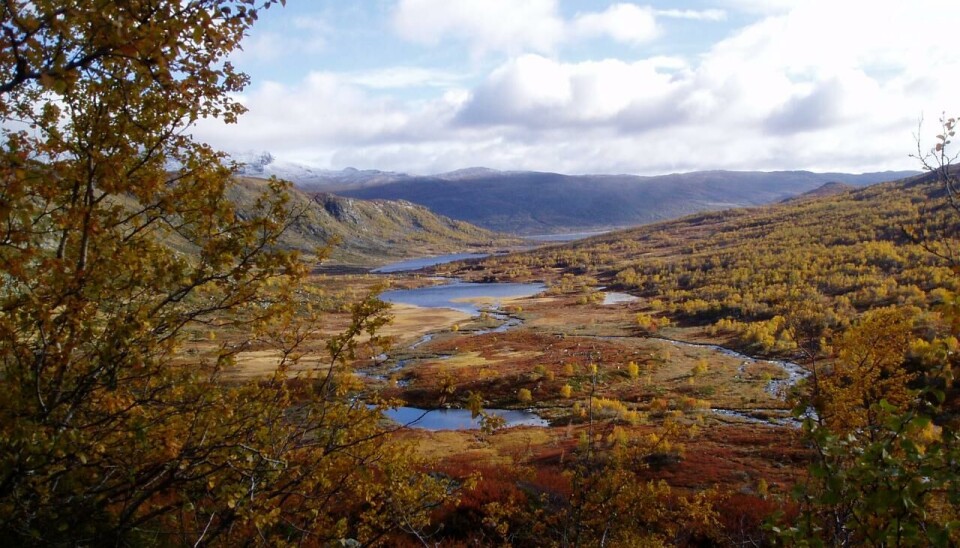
(120,245)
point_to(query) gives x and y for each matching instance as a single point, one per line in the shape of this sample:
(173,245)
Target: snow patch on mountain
(264,164)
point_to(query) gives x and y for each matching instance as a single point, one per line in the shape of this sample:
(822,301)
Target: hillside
(534,202)
(370,232)
(838,255)
(827,189)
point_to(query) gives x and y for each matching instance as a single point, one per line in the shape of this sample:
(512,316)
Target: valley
(507,364)
(593,340)
(693,299)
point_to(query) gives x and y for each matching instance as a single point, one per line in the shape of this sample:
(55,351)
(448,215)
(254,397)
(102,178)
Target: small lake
(423,262)
(454,294)
(612,297)
(458,419)
(567,237)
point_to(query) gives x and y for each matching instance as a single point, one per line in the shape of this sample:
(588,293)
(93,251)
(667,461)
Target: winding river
(465,296)
(776,388)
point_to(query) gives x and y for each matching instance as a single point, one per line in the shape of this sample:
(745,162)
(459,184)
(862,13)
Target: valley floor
(706,419)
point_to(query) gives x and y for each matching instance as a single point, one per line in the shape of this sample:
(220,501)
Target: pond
(564,237)
(458,419)
(612,297)
(457,294)
(423,262)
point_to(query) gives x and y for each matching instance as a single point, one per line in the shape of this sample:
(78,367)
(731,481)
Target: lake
(423,262)
(612,297)
(565,237)
(458,419)
(454,294)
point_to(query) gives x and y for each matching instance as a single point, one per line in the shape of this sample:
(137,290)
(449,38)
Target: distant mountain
(525,202)
(370,232)
(826,189)
(529,202)
(310,179)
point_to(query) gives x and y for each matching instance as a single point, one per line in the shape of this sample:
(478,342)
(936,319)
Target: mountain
(370,232)
(778,279)
(311,179)
(855,249)
(827,189)
(530,202)
(526,202)
(842,253)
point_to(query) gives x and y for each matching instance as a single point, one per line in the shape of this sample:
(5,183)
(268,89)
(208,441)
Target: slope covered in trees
(845,254)
(110,432)
(862,288)
(368,231)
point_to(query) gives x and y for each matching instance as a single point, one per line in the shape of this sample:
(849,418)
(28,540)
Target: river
(776,387)
(466,296)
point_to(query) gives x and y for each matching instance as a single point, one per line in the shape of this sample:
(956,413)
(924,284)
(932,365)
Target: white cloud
(625,23)
(825,86)
(405,77)
(513,27)
(696,15)
(764,7)
(534,91)
(487,25)
(324,111)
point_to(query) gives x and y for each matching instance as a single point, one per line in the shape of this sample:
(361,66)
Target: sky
(428,86)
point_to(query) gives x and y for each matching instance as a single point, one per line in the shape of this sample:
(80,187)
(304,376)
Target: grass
(560,337)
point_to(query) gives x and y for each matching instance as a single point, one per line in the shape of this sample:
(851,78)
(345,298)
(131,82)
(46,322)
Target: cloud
(818,109)
(309,36)
(537,92)
(303,122)
(824,86)
(531,26)
(487,25)
(695,15)
(405,77)
(625,23)
(763,7)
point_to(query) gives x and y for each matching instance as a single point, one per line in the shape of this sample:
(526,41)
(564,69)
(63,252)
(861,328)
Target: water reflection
(456,294)
(458,419)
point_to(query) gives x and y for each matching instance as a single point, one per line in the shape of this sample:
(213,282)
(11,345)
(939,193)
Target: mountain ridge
(369,232)
(543,202)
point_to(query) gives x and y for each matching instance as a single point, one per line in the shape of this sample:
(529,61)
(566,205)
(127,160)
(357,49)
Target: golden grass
(412,322)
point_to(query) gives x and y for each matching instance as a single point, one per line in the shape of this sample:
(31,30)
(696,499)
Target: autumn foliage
(109,432)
